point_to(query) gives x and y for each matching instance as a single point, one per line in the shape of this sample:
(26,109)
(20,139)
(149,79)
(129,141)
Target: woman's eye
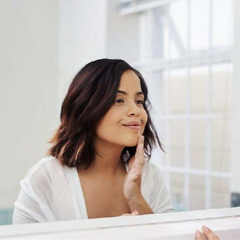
(118,101)
(121,101)
(140,102)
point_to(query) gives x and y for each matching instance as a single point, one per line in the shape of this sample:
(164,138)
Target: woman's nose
(133,109)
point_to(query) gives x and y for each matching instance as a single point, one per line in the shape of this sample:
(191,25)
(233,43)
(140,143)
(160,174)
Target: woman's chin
(128,140)
(131,143)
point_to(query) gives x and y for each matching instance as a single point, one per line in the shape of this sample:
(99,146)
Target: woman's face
(126,110)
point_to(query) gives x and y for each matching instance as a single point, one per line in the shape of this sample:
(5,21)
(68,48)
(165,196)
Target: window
(186,50)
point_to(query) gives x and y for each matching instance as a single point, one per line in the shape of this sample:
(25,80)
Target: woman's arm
(26,210)
(34,199)
(160,199)
(132,182)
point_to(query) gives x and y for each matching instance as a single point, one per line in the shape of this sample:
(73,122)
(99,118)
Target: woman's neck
(108,160)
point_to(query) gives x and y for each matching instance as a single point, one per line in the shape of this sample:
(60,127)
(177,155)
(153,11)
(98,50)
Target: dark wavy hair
(90,95)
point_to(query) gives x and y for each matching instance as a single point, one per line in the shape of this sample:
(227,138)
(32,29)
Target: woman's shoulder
(44,167)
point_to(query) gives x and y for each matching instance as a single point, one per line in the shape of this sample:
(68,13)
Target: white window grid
(150,12)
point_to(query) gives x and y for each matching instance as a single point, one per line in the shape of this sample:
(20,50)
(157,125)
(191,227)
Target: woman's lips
(133,127)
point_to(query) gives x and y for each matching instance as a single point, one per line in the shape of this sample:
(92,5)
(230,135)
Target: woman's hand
(132,181)
(209,235)
(134,213)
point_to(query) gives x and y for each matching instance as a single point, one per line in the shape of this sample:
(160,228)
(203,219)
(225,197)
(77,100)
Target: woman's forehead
(130,82)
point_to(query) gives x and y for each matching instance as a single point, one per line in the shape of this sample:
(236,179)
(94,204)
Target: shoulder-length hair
(90,95)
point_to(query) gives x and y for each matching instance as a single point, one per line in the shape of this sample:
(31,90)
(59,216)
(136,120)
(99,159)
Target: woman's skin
(111,138)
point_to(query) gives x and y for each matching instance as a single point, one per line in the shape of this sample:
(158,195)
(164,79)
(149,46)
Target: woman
(98,163)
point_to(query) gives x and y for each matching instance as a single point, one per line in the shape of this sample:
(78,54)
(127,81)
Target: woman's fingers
(137,157)
(137,161)
(140,151)
(198,236)
(127,214)
(134,213)
(207,233)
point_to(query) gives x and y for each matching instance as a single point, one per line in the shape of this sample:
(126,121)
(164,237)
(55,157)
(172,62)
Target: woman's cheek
(146,117)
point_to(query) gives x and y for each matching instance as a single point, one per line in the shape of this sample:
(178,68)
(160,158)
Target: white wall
(82,37)
(235,183)
(122,40)
(28,92)
(93,29)
(43,44)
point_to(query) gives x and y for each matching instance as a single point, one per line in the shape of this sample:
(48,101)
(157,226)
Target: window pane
(177,191)
(200,24)
(197,192)
(175,91)
(158,156)
(156,91)
(220,193)
(221,79)
(169,48)
(178,14)
(197,144)
(220,134)
(199,89)
(177,142)
(222,23)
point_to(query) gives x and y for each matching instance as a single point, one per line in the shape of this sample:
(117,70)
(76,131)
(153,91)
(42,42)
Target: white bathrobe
(52,192)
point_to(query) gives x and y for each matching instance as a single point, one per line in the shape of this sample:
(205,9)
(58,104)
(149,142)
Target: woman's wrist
(139,203)
(137,199)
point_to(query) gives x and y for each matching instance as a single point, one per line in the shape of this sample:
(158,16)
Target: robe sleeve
(35,199)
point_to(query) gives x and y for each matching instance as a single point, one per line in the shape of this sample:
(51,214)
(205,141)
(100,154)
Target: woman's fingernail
(206,229)
(198,234)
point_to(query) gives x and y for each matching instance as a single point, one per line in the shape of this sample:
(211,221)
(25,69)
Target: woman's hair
(90,95)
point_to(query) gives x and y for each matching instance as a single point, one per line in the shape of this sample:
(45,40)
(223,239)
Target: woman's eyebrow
(137,93)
